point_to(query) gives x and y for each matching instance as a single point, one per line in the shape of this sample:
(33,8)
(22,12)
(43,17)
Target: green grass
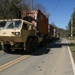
(71,38)
(72,47)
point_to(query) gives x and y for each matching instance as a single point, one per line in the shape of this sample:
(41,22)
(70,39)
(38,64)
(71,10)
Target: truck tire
(29,46)
(35,44)
(6,48)
(43,43)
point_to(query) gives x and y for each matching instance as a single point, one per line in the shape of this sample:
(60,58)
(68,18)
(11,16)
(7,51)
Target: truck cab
(18,34)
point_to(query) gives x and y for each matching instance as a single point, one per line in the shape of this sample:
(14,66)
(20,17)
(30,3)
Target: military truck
(19,34)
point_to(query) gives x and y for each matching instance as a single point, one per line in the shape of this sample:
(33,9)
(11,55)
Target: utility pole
(72,27)
(72,23)
(31,4)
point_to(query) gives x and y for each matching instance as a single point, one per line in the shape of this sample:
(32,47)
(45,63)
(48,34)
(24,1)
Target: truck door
(25,32)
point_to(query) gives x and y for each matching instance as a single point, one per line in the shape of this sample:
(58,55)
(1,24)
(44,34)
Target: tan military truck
(19,34)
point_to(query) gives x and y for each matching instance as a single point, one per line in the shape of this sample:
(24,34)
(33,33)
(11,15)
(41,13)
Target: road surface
(53,59)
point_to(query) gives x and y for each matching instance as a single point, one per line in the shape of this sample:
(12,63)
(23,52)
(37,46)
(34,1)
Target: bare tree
(11,8)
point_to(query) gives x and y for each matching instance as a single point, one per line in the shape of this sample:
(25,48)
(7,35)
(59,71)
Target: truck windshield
(2,24)
(12,25)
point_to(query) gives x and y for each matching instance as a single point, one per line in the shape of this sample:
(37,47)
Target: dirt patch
(71,41)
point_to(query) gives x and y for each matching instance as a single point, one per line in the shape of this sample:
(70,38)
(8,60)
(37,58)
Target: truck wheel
(43,43)
(6,48)
(29,46)
(35,44)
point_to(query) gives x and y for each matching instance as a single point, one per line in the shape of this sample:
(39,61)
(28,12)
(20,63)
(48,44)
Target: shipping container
(39,20)
(52,31)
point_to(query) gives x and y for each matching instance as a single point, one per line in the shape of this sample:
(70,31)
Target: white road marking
(72,61)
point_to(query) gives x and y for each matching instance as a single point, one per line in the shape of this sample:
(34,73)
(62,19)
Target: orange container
(38,19)
(51,30)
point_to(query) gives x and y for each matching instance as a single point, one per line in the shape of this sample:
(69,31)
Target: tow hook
(11,43)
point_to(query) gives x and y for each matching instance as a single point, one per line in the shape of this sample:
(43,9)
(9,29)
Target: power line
(32,4)
(39,1)
(54,9)
(56,6)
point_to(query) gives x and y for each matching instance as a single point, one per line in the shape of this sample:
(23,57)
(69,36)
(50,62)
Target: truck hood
(8,32)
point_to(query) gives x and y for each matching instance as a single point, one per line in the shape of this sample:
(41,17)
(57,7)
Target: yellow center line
(11,61)
(5,66)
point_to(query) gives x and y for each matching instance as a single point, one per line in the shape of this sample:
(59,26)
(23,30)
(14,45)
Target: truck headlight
(16,33)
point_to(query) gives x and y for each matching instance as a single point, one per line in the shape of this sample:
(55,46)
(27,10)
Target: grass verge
(71,38)
(72,48)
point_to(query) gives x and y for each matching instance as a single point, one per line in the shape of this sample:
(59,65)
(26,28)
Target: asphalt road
(53,59)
